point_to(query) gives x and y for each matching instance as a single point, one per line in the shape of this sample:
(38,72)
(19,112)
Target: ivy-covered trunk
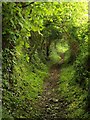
(8,46)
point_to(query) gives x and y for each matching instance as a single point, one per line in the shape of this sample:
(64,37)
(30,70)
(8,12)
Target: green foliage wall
(29,29)
(19,89)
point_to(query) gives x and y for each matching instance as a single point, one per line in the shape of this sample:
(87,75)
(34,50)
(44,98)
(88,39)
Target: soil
(51,104)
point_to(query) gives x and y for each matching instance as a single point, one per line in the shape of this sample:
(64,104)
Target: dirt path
(51,104)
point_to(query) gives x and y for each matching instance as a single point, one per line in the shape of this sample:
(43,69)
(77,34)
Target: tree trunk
(48,43)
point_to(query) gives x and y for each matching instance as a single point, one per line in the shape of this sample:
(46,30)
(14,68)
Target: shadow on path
(51,104)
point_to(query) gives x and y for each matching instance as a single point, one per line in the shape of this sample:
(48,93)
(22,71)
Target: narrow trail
(51,104)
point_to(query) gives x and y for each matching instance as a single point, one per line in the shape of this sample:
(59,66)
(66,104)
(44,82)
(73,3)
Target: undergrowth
(28,84)
(71,91)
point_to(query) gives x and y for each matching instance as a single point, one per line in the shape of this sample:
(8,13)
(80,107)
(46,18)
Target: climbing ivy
(36,35)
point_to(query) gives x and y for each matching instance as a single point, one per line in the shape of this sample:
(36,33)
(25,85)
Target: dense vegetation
(35,37)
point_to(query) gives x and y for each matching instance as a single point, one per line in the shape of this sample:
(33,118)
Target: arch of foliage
(29,29)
